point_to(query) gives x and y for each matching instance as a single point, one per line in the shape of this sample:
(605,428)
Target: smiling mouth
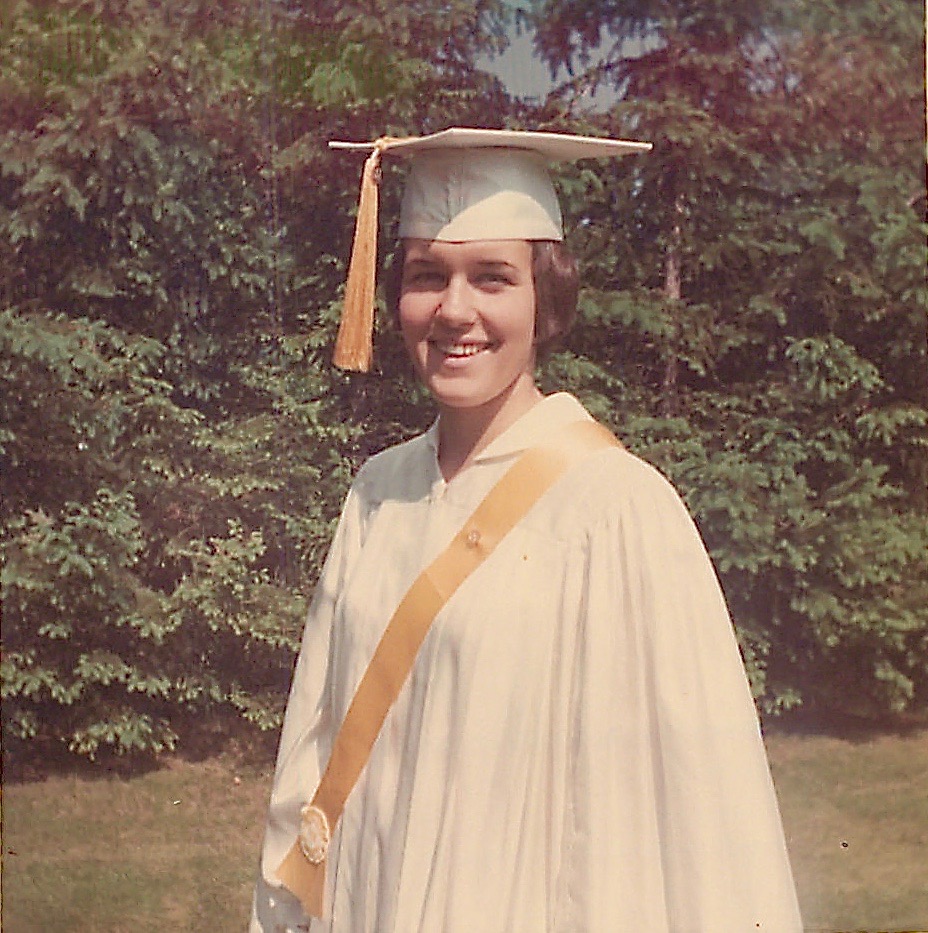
(461,350)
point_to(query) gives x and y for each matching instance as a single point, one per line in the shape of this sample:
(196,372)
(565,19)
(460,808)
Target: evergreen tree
(755,316)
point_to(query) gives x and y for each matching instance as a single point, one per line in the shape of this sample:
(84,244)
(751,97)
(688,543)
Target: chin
(464,396)
(462,400)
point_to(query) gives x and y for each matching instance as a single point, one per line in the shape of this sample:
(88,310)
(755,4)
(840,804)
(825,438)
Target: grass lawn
(856,817)
(175,849)
(171,850)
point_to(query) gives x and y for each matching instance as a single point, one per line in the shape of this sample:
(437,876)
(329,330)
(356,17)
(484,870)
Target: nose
(456,306)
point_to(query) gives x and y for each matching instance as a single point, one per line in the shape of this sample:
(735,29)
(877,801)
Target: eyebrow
(433,261)
(496,263)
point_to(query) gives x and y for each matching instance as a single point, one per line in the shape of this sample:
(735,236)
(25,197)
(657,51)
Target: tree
(136,267)
(755,319)
(175,443)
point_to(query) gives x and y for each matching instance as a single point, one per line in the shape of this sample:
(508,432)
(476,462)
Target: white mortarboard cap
(457,195)
(463,185)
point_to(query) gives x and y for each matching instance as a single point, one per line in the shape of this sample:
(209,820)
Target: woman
(574,747)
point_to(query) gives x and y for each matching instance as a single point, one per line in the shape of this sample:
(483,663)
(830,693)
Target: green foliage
(130,597)
(173,240)
(138,268)
(757,321)
(175,446)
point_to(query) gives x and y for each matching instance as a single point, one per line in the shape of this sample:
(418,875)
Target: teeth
(461,349)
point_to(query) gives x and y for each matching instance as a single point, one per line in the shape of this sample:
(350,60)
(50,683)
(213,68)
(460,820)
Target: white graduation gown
(576,749)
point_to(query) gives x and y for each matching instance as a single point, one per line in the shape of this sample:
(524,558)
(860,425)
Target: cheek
(413,319)
(522,321)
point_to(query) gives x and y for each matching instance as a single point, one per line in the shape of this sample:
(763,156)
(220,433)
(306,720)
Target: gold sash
(303,869)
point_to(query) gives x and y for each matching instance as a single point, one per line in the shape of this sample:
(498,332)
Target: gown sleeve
(306,721)
(670,806)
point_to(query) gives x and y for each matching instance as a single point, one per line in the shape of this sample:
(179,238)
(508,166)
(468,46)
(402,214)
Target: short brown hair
(557,283)
(554,271)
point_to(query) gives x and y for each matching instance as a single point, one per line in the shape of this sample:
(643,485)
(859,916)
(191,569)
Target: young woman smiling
(467,312)
(475,316)
(540,729)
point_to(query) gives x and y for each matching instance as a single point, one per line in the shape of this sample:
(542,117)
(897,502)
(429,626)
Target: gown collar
(534,427)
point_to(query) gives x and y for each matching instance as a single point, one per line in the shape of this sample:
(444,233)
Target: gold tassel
(354,345)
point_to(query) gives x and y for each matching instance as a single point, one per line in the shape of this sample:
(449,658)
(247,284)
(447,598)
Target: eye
(423,278)
(494,279)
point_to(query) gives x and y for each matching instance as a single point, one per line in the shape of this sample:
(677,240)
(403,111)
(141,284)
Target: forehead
(513,252)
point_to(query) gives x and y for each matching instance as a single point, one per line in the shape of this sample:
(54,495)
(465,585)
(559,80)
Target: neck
(464,432)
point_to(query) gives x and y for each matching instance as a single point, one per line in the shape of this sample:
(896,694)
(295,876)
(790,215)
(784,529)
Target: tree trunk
(674,294)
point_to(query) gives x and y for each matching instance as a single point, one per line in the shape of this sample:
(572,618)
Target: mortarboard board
(464,184)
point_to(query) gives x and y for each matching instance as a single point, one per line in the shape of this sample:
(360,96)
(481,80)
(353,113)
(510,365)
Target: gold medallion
(315,834)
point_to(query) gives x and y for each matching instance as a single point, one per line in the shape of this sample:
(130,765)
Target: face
(467,312)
